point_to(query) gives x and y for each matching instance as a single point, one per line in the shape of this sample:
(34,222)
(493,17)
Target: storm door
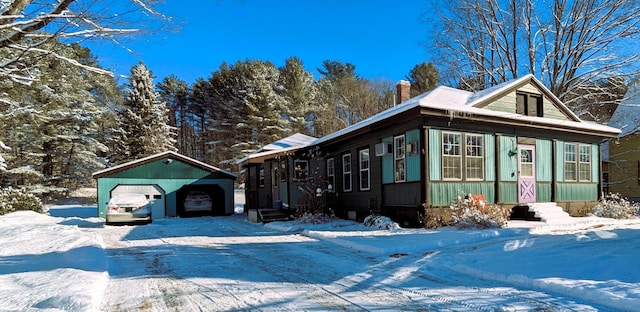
(526,174)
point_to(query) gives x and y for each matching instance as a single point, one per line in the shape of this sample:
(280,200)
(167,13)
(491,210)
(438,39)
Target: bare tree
(569,45)
(26,25)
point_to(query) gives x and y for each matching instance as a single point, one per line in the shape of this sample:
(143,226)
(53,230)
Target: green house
(166,179)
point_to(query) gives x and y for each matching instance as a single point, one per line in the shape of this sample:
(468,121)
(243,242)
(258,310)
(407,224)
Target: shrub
(18,199)
(472,211)
(616,207)
(380,222)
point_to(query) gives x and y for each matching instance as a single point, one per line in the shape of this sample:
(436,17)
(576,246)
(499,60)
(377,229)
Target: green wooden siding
(163,169)
(543,192)
(508,162)
(559,160)
(508,192)
(414,172)
(387,164)
(576,192)
(490,157)
(441,193)
(544,160)
(435,153)
(595,163)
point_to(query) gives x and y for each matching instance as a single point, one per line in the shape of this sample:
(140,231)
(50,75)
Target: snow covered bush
(472,211)
(616,207)
(18,199)
(380,222)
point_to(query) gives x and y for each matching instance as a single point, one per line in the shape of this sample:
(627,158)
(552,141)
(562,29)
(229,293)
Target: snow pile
(381,222)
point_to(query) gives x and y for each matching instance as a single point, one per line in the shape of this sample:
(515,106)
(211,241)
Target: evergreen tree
(299,91)
(423,77)
(144,118)
(175,92)
(53,127)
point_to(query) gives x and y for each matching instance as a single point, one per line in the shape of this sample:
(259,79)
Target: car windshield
(136,200)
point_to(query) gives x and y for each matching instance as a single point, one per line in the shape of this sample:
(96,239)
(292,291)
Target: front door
(527,174)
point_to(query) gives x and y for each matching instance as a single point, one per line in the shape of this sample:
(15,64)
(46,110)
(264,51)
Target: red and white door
(527,174)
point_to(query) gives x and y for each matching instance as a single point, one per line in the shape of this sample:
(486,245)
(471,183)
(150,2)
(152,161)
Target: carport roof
(156,157)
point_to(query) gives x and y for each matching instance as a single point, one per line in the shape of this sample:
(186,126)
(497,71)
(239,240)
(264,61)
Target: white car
(128,208)
(197,201)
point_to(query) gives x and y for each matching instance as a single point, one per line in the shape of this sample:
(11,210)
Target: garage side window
(398,157)
(331,172)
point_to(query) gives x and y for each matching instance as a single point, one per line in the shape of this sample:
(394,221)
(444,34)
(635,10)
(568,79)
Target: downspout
(498,196)
(554,163)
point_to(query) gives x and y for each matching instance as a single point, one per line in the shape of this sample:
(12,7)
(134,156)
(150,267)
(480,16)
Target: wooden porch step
(522,212)
(270,215)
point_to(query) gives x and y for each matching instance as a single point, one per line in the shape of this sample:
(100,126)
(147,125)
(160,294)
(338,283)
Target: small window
(261,177)
(451,156)
(399,158)
(474,156)
(365,179)
(331,172)
(300,169)
(529,104)
(584,163)
(570,162)
(346,172)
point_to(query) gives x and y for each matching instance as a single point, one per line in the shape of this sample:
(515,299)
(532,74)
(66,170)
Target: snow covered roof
(281,147)
(627,115)
(155,157)
(455,101)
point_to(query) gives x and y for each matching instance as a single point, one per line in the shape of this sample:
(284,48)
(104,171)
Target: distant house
(514,143)
(622,154)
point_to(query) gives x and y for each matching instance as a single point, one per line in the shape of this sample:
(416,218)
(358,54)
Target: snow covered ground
(52,263)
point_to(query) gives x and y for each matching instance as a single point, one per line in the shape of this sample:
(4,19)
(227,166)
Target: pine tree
(175,92)
(299,91)
(144,118)
(423,77)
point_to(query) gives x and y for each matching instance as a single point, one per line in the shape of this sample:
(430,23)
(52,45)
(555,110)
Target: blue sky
(383,39)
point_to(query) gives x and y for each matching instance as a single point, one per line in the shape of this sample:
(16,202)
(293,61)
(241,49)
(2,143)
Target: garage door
(154,193)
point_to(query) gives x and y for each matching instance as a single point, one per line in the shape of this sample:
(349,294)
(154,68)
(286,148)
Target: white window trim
(576,153)
(482,149)
(331,175)
(459,156)
(345,172)
(402,159)
(367,170)
(261,177)
(580,162)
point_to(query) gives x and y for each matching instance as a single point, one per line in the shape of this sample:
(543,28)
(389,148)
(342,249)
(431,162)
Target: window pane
(346,172)
(570,165)
(399,161)
(364,169)
(585,163)
(474,157)
(451,156)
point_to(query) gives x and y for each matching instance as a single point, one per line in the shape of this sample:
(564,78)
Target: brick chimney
(403,90)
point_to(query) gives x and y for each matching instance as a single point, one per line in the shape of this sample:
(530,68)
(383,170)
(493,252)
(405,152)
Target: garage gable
(166,165)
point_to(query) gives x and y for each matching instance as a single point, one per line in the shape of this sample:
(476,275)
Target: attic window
(529,104)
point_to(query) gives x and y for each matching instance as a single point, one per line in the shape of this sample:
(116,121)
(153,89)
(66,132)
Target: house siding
(624,166)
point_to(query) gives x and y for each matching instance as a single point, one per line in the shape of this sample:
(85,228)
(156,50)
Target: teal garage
(170,181)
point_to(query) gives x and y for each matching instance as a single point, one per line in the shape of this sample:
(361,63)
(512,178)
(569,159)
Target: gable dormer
(526,96)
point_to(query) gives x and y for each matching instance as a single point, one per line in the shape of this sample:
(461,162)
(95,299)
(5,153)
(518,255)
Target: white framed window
(261,179)
(365,178)
(584,163)
(451,156)
(474,156)
(462,156)
(570,162)
(346,172)
(300,169)
(399,164)
(331,172)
